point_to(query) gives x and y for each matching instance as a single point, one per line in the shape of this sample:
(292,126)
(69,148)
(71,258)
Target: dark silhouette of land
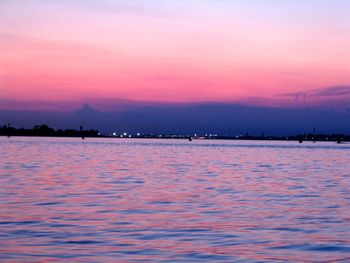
(45,131)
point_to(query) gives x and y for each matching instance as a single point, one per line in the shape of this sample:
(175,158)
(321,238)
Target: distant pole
(314,132)
(8,130)
(81,132)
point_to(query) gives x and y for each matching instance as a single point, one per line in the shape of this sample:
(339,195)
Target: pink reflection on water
(159,200)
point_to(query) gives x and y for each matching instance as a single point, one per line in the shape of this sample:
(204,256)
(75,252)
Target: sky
(258,52)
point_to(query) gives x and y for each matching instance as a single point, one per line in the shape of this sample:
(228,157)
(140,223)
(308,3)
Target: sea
(153,200)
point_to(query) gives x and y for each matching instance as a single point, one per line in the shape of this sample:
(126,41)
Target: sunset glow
(259,52)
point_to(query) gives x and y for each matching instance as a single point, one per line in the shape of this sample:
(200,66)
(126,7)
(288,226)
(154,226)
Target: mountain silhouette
(86,109)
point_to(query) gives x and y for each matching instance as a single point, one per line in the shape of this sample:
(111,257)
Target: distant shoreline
(45,131)
(218,138)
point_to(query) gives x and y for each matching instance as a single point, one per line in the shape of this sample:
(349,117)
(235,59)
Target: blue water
(115,200)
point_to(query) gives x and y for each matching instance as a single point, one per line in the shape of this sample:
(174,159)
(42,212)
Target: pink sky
(175,51)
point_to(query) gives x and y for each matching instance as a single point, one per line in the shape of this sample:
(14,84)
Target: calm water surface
(105,200)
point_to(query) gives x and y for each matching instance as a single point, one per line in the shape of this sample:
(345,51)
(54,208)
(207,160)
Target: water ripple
(107,200)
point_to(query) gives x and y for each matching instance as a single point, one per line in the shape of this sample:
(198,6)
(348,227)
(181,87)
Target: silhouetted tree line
(44,130)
